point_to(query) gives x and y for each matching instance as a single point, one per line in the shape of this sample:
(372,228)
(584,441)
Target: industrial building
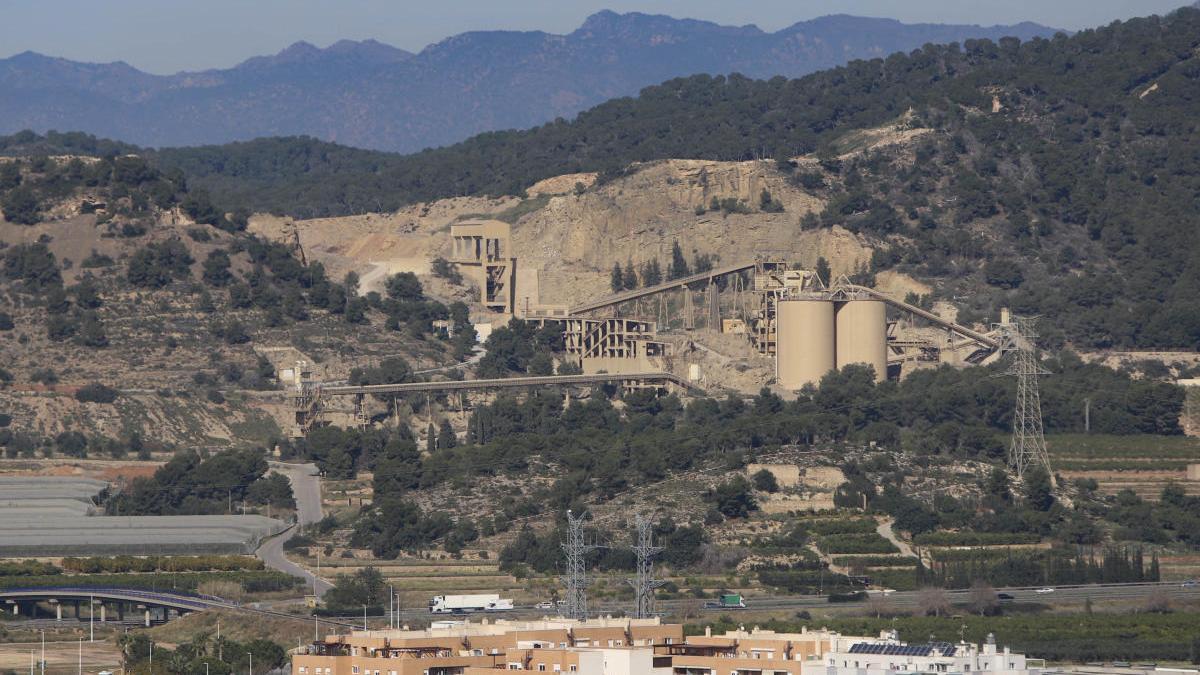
(816,334)
(795,326)
(614,345)
(482,251)
(608,646)
(42,516)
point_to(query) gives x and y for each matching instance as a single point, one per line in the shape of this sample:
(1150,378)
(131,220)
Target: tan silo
(862,335)
(804,350)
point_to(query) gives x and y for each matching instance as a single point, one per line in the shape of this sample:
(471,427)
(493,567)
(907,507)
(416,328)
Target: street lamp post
(251,655)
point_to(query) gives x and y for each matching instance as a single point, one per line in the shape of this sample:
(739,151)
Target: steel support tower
(576,581)
(1028,446)
(644,582)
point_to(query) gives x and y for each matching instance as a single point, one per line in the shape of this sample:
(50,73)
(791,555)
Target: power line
(576,581)
(644,582)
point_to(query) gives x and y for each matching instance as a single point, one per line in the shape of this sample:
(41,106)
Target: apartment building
(594,647)
(753,652)
(609,646)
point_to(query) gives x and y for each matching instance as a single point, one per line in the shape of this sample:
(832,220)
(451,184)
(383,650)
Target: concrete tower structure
(806,341)
(862,335)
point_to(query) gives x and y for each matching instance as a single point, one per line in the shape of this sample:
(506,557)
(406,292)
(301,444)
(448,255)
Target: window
(354,669)
(557,668)
(541,666)
(670,641)
(574,667)
(477,652)
(304,669)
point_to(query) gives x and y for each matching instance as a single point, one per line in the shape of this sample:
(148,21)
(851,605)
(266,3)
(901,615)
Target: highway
(306,486)
(905,600)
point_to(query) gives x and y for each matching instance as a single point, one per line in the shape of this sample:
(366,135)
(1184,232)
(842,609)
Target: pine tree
(679,264)
(446,437)
(630,278)
(617,278)
(823,271)
(431,439)
(651,273)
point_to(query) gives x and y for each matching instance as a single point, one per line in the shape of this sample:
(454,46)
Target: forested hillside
(135,314)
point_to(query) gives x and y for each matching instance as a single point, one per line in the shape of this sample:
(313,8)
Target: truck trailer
(467,604)
(727,601)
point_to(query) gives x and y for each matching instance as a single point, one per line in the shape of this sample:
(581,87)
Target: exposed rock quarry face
(576,239)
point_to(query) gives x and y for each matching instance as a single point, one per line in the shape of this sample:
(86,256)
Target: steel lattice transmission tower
(644,582)
(576,581)
(1028,446)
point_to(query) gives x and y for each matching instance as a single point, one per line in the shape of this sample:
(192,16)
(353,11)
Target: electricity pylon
(644,582)
(1028,446)
(576,581)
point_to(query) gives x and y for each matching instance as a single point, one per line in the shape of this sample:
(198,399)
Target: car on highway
(545,605)
(1005,596)
(1045,590)
(1120,664)
(1190,583)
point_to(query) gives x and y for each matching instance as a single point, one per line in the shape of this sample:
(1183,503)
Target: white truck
(466,604)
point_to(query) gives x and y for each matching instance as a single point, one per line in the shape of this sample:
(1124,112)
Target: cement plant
(608,343)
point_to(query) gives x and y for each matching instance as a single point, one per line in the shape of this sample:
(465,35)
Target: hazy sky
(163,36)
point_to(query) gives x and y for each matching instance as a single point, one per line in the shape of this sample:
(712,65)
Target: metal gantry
(644,582)
(576,549)
(1028,446)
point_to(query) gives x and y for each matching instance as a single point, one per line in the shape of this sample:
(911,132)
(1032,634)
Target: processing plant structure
(793,326)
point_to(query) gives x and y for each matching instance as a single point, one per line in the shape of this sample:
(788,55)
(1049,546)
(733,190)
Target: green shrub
(96,393)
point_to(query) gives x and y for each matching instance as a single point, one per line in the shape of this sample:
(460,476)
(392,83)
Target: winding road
(306,486)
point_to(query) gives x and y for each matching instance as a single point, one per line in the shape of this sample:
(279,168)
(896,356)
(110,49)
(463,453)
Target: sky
(165,36)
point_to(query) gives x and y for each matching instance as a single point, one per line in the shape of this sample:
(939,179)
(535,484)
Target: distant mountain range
(371,95)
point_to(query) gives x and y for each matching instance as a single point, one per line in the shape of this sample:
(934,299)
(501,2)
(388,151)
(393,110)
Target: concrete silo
(804,350)
(862,335)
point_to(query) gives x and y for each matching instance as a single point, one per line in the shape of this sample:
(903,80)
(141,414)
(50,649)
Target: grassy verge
(1099,446)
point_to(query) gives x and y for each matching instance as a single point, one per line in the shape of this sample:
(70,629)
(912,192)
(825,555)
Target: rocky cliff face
(573,238)
(576,238)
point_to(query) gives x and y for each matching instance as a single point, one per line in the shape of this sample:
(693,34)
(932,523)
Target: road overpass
(148,606)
